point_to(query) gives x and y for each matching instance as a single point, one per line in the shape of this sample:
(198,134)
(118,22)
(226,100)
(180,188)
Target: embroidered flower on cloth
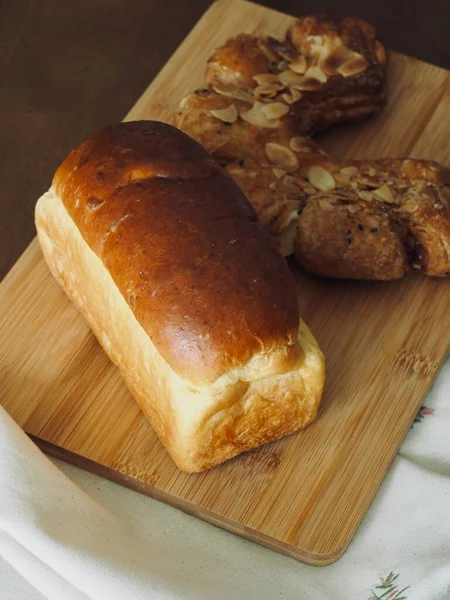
(387,589)
(423,412)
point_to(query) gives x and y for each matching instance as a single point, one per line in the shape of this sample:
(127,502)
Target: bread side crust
(201,426)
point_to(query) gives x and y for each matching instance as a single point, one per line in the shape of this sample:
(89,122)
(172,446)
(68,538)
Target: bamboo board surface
(304,495)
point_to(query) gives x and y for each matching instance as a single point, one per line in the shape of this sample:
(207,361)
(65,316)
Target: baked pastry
(359,219)
(184,289)
(326,70)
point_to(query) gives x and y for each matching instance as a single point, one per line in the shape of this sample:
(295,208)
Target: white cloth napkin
(69,535)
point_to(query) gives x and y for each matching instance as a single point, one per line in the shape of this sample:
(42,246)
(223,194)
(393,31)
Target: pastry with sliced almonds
(373,220)
(326,70)
(381,219)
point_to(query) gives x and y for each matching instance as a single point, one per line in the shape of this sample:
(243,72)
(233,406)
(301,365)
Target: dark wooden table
(68,67)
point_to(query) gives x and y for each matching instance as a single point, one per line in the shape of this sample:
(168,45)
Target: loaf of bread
(184,289)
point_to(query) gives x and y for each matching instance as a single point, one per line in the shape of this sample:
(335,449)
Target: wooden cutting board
(304,495)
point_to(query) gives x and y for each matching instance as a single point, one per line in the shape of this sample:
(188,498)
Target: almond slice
(227,115)
(316,73)
(270,89)
(237,94)
(365,195)
(266,78)
(349,171)
(288,77)
(299,65)
(410,206)
(286,240)
(325,204)
(278,172)
(307,84)
(384,193)
(340,179)
(444,195)
(256,117)
(316,51)
(353,67)
(352,208)
(321,179)
(294,96)
(331,42)
(282,157)
(184,101)
(275,110)
(330,62)
(298,143)
(380,51)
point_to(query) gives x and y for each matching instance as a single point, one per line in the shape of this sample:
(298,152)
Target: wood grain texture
(304,495)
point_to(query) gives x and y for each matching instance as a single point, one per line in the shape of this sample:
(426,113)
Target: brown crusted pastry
(327,70)
(360,219)
(377,220)
(182,286)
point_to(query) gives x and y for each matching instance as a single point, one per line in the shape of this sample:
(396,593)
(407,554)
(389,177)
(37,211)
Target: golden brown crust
(388,217)
(236,62)
(178,238)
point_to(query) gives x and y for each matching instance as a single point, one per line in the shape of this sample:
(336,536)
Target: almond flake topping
(270,89)
(349,171)
(289,78)
(227,115)
(266,78)
(307,84)
(294,96)
(331,61)
(298,65)
(325,204)
(353,67)
(410,206)
(321,179)
(237,94)
(275,110)
(316,73)
(365,195)
(282,157)
(384,193)
(255,116)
